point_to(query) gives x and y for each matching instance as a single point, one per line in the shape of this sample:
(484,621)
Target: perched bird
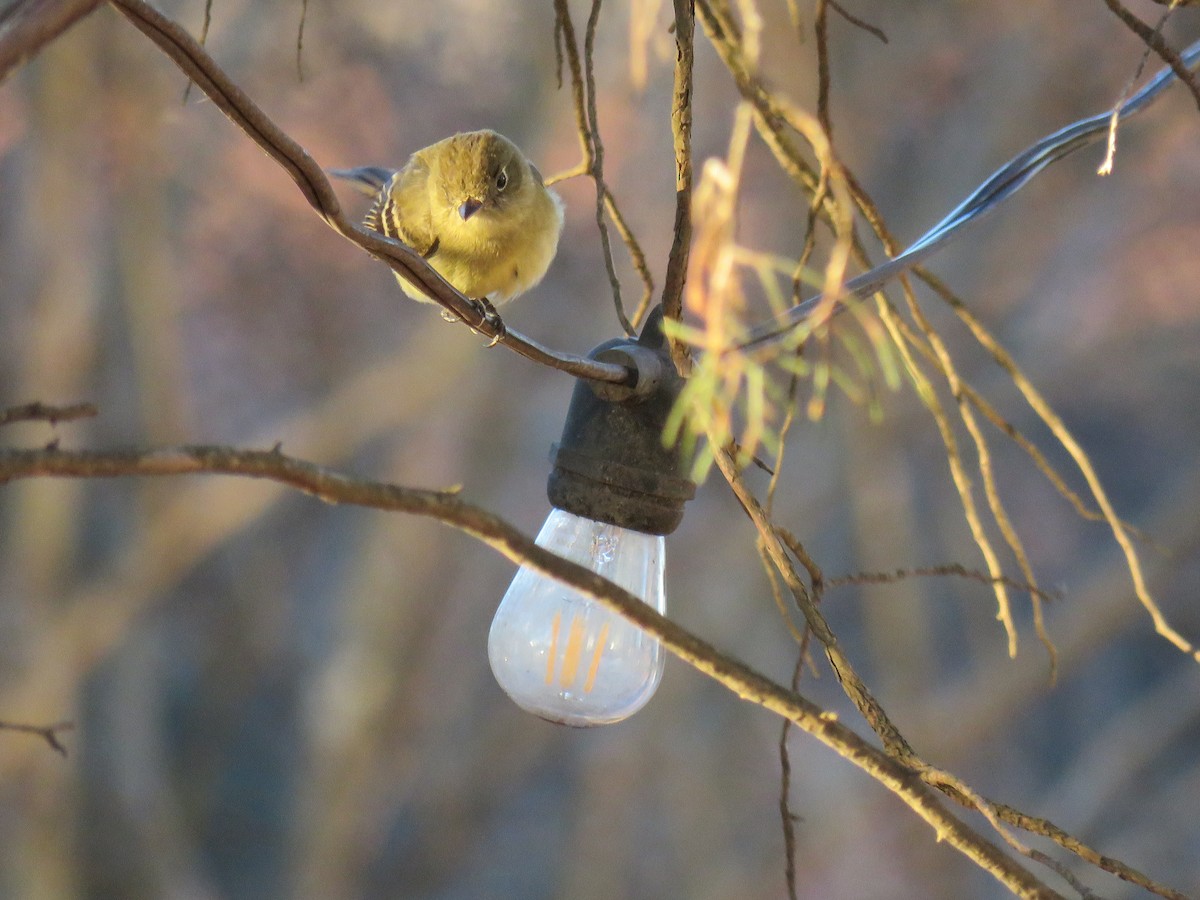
(473,206)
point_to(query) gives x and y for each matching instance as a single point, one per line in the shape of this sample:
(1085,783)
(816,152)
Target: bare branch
(300,40)
(775,543)
(747,683)
(787,817)
(1152,38)
(48,733)
(954,569)
(42,412)
(28,25)
(587,125)
(859,23)
(681,130)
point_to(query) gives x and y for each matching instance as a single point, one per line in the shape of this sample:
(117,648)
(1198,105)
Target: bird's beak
(469,207)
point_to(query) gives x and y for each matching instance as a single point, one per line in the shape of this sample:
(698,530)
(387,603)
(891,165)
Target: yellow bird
(473,206)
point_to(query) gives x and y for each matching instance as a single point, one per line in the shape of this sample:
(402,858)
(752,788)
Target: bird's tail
(368,180)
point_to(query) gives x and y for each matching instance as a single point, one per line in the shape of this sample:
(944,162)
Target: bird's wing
(369,180)
(401,210)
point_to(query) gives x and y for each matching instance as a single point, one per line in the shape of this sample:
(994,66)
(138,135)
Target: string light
(616,492)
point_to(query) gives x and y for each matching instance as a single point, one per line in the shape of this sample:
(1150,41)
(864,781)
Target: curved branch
(335,487)
(237,106)
(26,27)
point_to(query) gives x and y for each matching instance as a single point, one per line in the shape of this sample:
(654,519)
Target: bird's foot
(492,318)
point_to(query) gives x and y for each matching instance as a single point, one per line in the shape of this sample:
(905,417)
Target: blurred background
(276,698)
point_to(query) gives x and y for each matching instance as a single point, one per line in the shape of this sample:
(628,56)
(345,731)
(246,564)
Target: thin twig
(857,22)
(636,256)
(1027,446)
(1110,152)
(587,125)
(821,29)
(787,817)
(1038,403)
(43,412)
(958,470)
(968,401)
(48,733)
(966,412)
(602,192)
(1085,893)
(593,149)
(203,41)
(956,570)
(799,635)
(300,40)
(1154,40)
(1048,829)
(821,373)
(777,542)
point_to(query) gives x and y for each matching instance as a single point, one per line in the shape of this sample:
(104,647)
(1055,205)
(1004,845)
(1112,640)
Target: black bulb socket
(611,465)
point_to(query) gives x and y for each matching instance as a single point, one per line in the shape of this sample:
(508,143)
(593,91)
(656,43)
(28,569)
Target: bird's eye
(502,180)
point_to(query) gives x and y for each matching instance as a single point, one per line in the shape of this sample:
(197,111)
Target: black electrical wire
(1002,184)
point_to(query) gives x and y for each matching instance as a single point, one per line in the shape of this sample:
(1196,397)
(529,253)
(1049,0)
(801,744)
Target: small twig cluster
(587,122)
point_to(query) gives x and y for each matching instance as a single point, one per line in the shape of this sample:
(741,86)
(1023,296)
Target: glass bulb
(565,657)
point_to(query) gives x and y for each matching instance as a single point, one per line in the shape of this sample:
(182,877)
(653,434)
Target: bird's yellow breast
(499,252)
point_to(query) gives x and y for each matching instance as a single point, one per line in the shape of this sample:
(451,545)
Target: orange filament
(553,655)
(597,653)
(573,651)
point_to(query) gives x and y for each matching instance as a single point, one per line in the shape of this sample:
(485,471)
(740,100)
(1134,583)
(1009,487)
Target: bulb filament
(572,653)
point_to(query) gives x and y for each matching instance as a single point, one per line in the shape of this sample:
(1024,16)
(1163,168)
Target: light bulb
(565,657)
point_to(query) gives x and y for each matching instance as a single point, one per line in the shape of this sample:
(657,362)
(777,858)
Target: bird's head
(482,172)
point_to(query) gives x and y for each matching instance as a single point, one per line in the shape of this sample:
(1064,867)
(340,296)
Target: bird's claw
(492,318)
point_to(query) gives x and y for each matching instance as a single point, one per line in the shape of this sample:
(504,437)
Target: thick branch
(334,487)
